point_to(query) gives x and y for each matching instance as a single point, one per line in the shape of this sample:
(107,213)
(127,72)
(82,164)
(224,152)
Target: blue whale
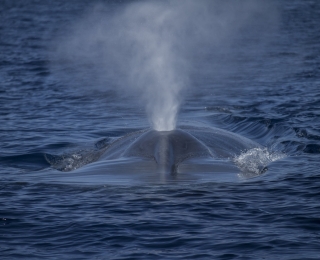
(167,151)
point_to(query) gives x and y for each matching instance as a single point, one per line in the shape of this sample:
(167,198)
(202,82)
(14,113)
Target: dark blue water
(264,86)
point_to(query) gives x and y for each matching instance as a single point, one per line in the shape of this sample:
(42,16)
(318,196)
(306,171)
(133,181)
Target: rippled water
(267,91)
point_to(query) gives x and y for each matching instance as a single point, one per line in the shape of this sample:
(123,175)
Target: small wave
(72,161)
(254,162)
(312,148)
(76,159)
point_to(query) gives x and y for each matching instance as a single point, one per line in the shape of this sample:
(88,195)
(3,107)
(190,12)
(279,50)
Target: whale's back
(170,148)
(167,148)
(162,151)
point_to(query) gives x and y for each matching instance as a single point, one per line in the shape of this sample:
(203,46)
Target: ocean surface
(263,84)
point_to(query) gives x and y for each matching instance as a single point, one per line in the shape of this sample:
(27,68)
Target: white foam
(254,161)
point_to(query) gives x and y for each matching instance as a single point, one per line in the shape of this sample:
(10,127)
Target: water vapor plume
(148,48)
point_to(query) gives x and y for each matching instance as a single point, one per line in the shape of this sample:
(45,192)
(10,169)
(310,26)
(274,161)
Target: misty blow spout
(154,50)
(163,111)
(163,125)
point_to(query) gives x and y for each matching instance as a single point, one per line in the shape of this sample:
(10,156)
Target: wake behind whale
(168,153)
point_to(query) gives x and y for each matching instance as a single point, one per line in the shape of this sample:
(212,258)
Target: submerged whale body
(165,151)
(167,148)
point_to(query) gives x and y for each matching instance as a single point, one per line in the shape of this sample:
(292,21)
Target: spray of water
(150,47)
(253,162)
